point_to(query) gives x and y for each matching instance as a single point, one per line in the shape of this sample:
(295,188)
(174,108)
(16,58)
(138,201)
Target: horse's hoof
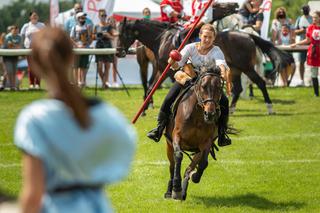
(168,195)
(270,109)
(232,109)
(184,196)
(177,195)
(195,177)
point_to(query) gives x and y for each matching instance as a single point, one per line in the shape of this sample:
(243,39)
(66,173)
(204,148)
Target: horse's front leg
(203,163)
(178,156)
(191,167)
(170,152)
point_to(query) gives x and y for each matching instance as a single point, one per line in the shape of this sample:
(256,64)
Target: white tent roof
(129,8)
(133,8)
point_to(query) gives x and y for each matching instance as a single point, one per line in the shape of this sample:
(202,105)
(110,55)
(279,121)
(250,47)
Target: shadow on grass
(264,114)
(276,101)
(251,200)
(283,102)
(261,114)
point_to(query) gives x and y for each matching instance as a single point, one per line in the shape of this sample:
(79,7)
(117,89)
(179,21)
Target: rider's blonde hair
(208,27)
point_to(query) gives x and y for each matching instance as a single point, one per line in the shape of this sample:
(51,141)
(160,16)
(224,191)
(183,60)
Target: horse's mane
(154,25)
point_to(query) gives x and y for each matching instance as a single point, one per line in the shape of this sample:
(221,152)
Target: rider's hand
(173,63)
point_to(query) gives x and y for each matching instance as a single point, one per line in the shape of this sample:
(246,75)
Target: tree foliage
(293,7)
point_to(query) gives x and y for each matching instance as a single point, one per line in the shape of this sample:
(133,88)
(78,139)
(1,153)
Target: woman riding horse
(202,53)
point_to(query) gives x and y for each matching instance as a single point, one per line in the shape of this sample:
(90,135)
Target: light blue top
(71,155)
(13,39)
(72,21)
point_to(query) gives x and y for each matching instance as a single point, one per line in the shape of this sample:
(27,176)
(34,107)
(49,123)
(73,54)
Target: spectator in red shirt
(313,54)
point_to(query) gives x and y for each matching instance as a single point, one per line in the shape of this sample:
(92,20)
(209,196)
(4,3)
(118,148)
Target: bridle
(200,99)
(126,35)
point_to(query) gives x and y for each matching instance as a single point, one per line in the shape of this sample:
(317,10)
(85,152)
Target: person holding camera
(103,33)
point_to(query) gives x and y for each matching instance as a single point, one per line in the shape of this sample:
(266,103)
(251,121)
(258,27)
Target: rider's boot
(223,139)
(165,112)
(156,133)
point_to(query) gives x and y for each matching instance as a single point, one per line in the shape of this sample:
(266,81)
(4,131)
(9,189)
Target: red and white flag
(92,7)
(54,11)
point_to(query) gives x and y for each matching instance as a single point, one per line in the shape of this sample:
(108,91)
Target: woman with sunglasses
(103,33)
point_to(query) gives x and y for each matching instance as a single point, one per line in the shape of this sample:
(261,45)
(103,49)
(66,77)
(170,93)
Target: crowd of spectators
(82,32)
(284,30)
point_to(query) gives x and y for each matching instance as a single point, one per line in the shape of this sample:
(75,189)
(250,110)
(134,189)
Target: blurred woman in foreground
(72,146)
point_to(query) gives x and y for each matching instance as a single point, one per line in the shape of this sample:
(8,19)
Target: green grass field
(272,166)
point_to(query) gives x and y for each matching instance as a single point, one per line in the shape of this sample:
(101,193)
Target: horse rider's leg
(170,157)
(203,163)
(178,156)
(223,139)
(253,75)
(165,112)
(236,90)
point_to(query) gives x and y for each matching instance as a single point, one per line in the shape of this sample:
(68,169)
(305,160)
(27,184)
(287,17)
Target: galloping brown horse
(193,129)
(145,56)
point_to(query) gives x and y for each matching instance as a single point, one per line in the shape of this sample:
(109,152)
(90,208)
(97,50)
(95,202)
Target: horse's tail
(280,59)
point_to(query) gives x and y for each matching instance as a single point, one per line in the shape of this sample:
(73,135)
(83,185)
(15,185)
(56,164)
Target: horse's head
(221,10)
(127,35)
(208,90)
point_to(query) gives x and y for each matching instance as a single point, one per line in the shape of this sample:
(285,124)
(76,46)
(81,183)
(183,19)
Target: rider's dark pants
(170,98)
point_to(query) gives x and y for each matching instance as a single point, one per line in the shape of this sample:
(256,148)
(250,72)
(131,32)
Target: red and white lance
(175,55)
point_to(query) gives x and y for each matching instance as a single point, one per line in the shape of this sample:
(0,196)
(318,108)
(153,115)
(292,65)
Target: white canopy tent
(123,8)
(134,8)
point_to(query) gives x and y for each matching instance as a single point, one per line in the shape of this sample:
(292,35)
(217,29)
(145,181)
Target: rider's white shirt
(213,57)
